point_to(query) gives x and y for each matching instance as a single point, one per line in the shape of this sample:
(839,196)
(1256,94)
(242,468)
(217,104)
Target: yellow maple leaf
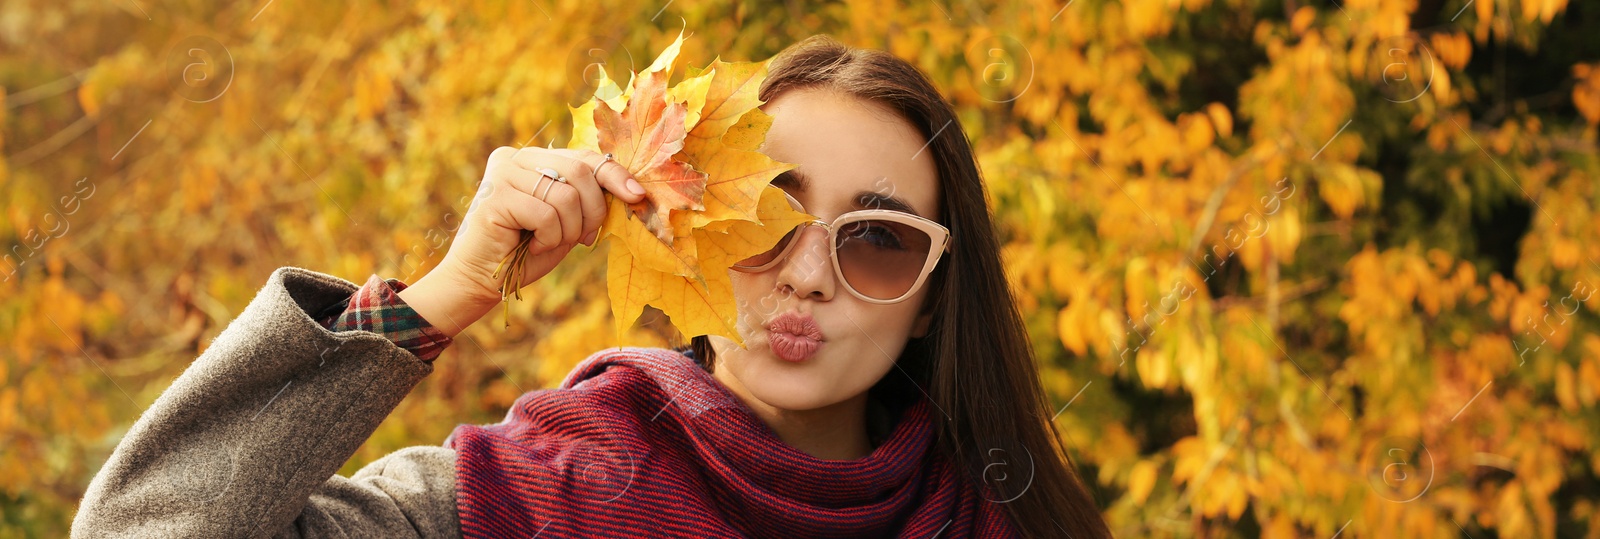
(749,132)
(692,93)
(744,239)
(735,177)
(680,258)
(628,289)
(734,90)
(703,304)
(584,133)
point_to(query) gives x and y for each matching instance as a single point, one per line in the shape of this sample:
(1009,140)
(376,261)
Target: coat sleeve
(246,442)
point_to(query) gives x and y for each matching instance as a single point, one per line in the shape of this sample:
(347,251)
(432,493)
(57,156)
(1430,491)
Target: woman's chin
(783,384)
(789,398)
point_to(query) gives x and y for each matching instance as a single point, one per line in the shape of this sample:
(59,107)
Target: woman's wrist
(446,302)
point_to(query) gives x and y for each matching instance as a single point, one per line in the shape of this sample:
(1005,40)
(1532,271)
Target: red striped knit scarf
(641,442)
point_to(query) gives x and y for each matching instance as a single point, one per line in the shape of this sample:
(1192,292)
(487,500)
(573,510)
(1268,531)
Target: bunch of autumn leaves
(708,199)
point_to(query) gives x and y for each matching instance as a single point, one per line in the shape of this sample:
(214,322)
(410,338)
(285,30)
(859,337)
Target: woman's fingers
(518,209)
(565,198)
(559,196)
(591,197)
(612,177)
(578,203)
(515,198)
(590,175)
(501,154)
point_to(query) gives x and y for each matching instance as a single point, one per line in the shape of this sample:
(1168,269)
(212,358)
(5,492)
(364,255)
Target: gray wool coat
(246,443)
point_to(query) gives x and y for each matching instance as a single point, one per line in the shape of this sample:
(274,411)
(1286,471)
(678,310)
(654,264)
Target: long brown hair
(976,363)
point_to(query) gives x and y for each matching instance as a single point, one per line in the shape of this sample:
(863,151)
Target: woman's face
(849,152)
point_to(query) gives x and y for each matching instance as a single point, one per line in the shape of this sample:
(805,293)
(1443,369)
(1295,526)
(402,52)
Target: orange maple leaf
(643,138)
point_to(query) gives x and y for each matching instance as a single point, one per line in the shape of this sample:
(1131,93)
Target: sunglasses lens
(882,259)
(767,257)
(777,249)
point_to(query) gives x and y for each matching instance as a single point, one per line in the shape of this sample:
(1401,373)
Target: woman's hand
(515,196)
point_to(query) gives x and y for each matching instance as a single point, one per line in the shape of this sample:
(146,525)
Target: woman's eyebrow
(792,180)
(879,201)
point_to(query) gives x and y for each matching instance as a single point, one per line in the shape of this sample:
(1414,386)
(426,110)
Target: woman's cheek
(755,303)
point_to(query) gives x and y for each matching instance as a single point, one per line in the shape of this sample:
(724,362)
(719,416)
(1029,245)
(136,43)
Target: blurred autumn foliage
(1292,269)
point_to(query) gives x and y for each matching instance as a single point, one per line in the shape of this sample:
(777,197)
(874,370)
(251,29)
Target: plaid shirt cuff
(377,307)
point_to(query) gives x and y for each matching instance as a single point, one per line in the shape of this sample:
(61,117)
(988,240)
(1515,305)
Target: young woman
(886,386)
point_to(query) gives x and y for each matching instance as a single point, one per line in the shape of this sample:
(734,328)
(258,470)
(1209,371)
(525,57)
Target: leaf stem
(511,278)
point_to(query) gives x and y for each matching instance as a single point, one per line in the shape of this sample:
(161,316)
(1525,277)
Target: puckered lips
(794,336)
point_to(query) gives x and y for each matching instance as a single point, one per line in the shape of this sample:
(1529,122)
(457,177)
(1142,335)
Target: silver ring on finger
(553,176)
(608,161)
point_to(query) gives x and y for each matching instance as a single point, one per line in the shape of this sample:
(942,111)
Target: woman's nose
(808,271)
